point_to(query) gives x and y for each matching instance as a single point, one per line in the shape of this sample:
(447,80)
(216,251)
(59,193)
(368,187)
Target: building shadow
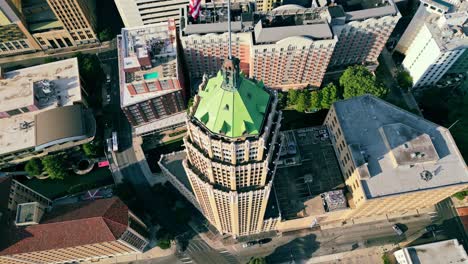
(293,252)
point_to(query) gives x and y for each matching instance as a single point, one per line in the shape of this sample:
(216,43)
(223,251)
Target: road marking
(224,251)
(186,258)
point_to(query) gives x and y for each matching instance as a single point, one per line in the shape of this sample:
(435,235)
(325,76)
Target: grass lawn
(57,188)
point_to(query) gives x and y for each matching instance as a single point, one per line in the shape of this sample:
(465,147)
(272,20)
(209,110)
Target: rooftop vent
(426,175)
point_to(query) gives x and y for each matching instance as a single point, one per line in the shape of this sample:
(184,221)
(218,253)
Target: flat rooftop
(19,88)
(308,169)
(274,34)
(449,251)
(396,151)
(450,29)
(18,131)
(147,53)
(28,213)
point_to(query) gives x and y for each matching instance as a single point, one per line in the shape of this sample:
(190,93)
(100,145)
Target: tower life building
(232,144)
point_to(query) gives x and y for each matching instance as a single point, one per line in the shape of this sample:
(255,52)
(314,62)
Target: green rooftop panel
(232,112)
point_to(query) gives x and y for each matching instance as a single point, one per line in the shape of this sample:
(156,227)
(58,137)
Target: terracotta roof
(463,214)
(70,226)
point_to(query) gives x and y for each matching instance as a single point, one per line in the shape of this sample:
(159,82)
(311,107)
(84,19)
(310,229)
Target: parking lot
(318,171)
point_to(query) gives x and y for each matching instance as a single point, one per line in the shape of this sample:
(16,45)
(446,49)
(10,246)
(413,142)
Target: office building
(289,47)
(151,79)
(393,161)
(17,193)
(363,28)
(42,111)
(448,251)
(47,24)
(83,231)
(231,145)
(136,13)
(14,35)
(435,40)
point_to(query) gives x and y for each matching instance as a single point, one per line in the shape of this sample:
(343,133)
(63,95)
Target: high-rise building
(135,13)
(288,47)
(15,193)
(151,79)
(70,233)
(435,40)
(393,161)
(363,28)
(42,110)
(231,144)
(14,35)
(46,24)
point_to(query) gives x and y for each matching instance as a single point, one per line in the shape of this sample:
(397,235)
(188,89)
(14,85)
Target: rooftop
(274,34)
(232,109)
(22,87)
(71,225)
(170,121)
(46,128)
(147,53)
(28,213)
(307,169)
(449,25)
(449,251)
(396,151)
(46,85)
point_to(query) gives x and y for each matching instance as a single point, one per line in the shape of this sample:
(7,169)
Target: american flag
(194,8)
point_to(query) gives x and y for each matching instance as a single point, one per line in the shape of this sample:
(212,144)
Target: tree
(257,260)
(105,35)
(404,79)
(34,167)
(302,101)
(91,149)
(54,165)
(164,238)
(358,80)
(329,95)
(293,96)
(386,259)
(315,100)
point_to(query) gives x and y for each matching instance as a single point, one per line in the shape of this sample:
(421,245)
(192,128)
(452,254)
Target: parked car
(249,244)
(430,228)
(108,98)
(108,78)
(264,241)
(397,230)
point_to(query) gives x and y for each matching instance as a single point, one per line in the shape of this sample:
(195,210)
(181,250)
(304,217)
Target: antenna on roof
(229,29)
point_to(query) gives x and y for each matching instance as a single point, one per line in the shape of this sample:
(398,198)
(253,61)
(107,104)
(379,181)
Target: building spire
(229,29)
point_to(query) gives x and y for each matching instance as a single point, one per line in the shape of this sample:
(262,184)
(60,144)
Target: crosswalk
(198,250)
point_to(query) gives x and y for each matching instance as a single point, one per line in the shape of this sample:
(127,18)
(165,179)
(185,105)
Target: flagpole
(229,29)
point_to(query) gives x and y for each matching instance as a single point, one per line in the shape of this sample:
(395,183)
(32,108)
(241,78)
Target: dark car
(264,241)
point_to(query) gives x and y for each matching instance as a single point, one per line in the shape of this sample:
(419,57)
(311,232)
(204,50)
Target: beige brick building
(231,144)
(392,161)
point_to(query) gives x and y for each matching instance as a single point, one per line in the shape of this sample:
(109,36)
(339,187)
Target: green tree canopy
(34,167)
(91,149)
(329,96)
(358,80)
(105,35)
(404,80)
(55,166)
(293,96)
(315,100)
(303,101)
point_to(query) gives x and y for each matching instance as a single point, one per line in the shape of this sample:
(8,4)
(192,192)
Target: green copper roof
(235,112)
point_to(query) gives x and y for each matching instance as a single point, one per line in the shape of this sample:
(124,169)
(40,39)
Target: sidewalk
(152,178)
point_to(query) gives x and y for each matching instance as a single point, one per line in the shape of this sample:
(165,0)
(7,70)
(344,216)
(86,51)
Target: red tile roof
(73,225)
(463,214)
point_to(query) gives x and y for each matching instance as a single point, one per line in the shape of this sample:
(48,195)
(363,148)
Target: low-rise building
(448,251)
(42,111)
(152,84)
(435,41)
(83,231)
(392,160)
